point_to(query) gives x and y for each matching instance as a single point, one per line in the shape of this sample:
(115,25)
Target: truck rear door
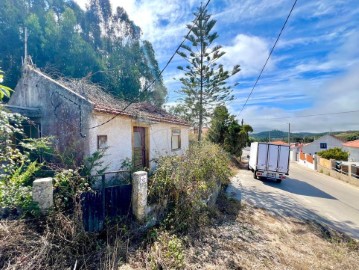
(283,161)
(272,157)
(262,156)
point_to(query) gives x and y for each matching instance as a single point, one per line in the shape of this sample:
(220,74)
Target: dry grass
(58,242)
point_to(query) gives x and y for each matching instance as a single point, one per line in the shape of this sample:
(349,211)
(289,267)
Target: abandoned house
(82,119)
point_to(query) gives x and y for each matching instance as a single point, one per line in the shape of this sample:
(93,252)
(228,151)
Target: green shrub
(70,183)
(19,163)
(334,153)
(186,182)
(167,252)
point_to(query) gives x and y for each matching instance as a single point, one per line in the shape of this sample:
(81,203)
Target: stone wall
(64,113)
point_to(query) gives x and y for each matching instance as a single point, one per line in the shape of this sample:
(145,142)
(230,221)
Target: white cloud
(335,95)
(250,52)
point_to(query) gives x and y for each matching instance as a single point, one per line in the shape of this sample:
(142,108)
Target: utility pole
(269,137)
(289,135)
(25,46)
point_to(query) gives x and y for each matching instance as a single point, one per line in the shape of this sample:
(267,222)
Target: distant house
(353,149)
(323,143)
(83,118)
(278,143)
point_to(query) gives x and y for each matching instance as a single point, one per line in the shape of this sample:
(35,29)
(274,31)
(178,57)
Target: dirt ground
(250,238)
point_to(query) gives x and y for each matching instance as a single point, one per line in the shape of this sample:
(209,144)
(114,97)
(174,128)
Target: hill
(306,136)
(101,44)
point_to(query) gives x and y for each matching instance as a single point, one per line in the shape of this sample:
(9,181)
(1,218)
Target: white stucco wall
(160,140)
(353,153)
(119,139)
(314,147)
(119,133)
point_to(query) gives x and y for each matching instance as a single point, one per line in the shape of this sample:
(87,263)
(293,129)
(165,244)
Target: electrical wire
(160,74)
(269,56)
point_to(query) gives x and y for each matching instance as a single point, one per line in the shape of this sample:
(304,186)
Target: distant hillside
(278,134)
(283,135)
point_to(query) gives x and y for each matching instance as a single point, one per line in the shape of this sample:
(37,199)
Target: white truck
(269,161)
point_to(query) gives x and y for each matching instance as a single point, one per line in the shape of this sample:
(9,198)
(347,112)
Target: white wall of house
(119,139)
(314,147)
(353,153)
(119,132)
(160,140)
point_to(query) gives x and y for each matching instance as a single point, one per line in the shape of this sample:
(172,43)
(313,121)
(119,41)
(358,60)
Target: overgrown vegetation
(334,153)
(20,160)
(186,182)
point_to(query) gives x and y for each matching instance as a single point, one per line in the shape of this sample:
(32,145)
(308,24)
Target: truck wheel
(279,181)
(255,175)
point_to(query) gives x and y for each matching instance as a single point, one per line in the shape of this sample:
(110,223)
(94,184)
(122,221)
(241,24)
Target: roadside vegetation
(334,153)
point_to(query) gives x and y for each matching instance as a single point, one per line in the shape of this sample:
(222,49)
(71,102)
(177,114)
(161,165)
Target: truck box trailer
(269,161)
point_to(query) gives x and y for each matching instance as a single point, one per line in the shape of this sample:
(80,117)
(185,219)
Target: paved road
(305,194)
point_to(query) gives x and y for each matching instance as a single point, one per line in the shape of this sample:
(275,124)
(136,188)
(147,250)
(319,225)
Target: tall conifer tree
(204,83)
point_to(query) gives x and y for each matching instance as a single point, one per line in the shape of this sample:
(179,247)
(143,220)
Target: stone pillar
(139,195)
(42,193)
(350,170)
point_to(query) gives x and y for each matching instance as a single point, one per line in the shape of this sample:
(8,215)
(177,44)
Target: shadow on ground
(298,187)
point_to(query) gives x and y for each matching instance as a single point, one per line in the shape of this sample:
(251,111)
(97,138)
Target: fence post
(103,186)
(139,195)
(350,171)
(42,193)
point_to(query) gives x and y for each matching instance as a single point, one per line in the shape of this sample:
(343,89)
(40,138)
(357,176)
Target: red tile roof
(354,144)
(278,143)
(107,103)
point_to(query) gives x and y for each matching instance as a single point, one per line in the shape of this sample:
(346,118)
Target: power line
(269,56)
(302,116)
(163,69)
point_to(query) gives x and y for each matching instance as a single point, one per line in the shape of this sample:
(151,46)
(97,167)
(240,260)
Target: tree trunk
(200,124)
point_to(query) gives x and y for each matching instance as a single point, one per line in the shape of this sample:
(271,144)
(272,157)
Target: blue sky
(314,69)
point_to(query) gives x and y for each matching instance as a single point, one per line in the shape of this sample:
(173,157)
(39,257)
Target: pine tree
(204,83)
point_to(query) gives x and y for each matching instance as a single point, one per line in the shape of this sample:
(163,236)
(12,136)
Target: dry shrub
(186,182)
(57,242)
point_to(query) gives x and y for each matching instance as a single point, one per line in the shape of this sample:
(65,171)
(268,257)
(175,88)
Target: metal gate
(105,203)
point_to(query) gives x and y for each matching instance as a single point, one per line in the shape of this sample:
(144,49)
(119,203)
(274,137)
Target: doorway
(140,153)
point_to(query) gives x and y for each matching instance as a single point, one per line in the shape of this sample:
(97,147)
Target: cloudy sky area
(314,69)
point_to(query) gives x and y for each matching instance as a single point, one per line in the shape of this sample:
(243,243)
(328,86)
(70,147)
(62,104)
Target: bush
(186,182)
(19,163)
(167,252)
(334,153)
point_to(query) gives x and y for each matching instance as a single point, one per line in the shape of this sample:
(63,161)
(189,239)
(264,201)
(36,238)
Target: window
(176,139)
(101,141)
(323,145)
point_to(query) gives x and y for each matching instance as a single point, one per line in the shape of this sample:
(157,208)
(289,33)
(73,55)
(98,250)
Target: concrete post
(139,195)
(315,160)
(42,193)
